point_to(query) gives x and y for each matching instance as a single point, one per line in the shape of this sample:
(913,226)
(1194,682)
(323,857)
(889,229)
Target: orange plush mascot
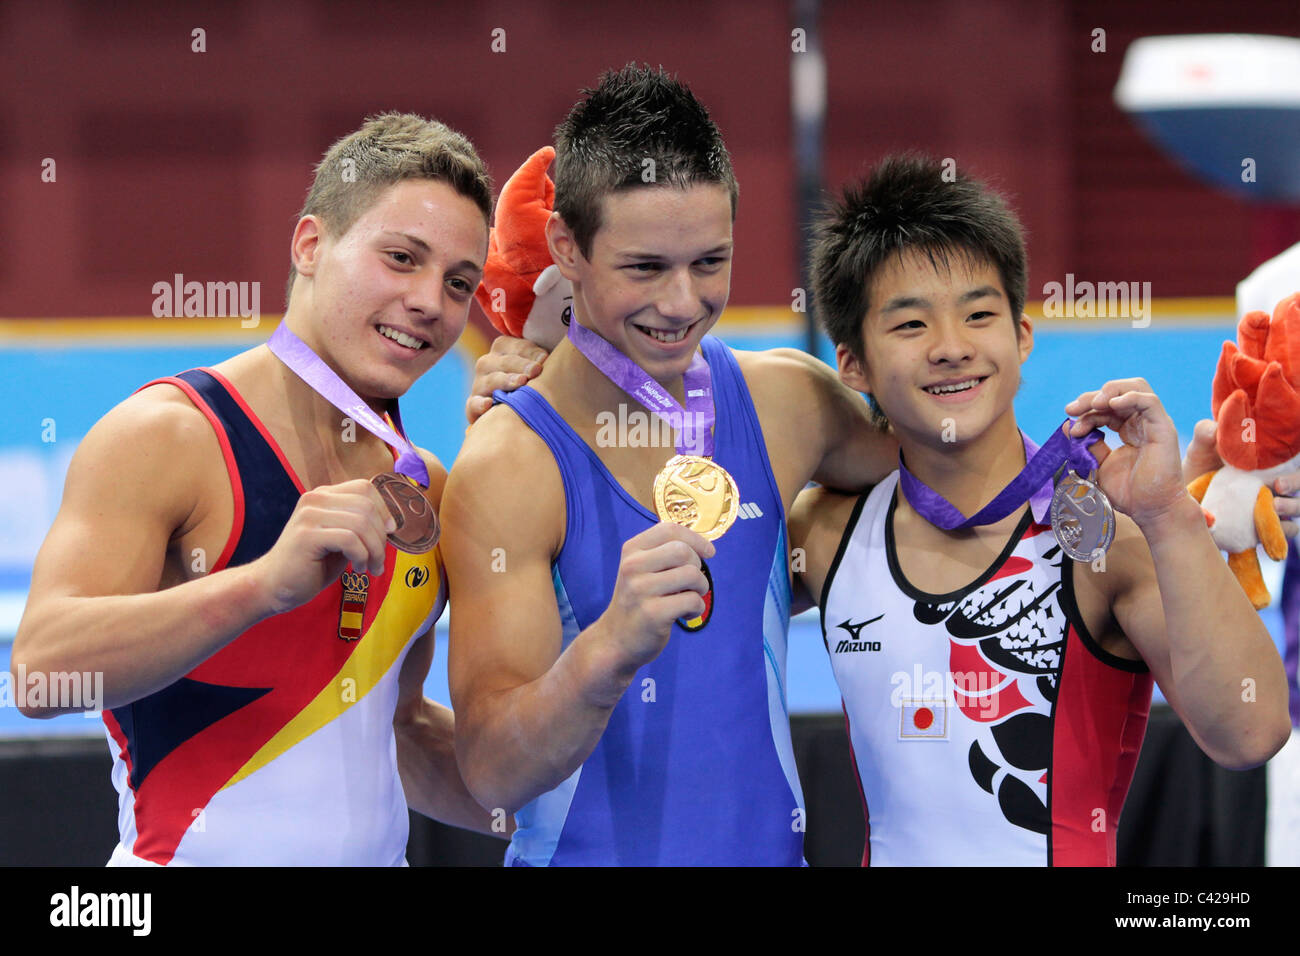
(1256,403)
(522,291)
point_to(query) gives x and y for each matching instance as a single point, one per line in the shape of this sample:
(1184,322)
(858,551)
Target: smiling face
(390,296)
(658,275)
(942,355)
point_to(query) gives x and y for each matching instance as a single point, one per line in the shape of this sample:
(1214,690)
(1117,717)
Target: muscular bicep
(862,451)
(414,672)
(498,539)
(1123,596)
(817,523)
(130,488)
(816,427)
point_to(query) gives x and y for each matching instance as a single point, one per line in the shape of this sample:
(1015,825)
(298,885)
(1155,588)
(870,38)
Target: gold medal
(697,493)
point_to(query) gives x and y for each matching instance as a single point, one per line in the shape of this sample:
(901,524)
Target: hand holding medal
(402,489)
(1143,477)
(1082,519)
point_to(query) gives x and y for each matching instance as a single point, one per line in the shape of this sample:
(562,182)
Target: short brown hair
(635,120)
(388,149)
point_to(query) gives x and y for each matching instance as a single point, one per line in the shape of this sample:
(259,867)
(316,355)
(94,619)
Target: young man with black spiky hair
(619,679)
(996,690)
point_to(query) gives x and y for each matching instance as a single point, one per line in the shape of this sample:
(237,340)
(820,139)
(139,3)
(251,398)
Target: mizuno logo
(852,643)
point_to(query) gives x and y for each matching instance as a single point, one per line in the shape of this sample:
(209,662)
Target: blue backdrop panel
(74,387)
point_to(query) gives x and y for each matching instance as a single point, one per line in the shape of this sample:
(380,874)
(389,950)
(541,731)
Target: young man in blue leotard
(615,734)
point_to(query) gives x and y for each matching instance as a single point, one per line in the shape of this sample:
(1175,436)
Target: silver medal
(1082,518)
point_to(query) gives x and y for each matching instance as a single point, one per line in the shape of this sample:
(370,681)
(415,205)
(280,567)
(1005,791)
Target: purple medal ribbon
(693,424)
(1033,484)
(311,368)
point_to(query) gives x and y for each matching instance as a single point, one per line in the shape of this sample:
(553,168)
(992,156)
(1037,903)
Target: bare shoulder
(818,510)
(505,478)
(817,523)
(159,412)
(158,435)
(778,371)
(794,396)
(780,360)
(822,428)
(145,475)
(498,438)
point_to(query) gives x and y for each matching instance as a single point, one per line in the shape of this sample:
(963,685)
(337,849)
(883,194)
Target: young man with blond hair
(220,555)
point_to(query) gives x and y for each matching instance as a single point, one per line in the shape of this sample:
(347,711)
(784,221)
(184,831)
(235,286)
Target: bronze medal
(697,493)
(417,526)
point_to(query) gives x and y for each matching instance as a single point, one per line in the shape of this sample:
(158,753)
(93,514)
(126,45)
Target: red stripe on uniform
(1112,705)
(296,654)
(119,738)
(866,814)
(1014,565)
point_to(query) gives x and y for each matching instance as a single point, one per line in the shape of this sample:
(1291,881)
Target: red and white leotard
(988,728)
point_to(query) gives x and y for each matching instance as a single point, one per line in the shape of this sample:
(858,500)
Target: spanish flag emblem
(355,587)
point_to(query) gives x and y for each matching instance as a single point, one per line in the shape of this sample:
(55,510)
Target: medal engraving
(417,526)
(1082,518)
(697,493)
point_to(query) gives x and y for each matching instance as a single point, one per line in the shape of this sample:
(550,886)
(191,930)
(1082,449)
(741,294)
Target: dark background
(174,161)
(57,807)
